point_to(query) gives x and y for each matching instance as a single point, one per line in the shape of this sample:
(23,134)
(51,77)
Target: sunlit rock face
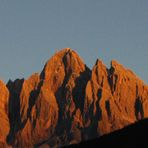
(68,103)
(4,121)
(114,98)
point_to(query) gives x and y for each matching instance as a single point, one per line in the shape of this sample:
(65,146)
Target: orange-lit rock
(67,102)
(4,120)
(116,98)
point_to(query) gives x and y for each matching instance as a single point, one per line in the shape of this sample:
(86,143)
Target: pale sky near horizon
(32,30)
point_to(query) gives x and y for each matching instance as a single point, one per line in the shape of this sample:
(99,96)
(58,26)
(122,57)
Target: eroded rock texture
(67,103)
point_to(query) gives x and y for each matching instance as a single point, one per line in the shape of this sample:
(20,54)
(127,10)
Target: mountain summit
(68,103)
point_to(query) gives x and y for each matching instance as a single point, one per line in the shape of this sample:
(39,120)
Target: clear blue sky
(31,31)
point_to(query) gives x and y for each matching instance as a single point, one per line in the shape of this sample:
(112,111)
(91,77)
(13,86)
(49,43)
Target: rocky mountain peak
(67,102)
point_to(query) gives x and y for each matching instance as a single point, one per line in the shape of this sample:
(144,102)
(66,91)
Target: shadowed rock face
(68,103)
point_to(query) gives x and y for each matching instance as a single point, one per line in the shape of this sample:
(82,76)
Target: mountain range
(68,103)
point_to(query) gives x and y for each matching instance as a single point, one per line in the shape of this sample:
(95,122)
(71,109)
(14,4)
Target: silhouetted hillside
(134,136)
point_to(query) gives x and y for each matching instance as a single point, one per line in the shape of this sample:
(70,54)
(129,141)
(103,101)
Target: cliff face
(67,102)
(4,121)
(115,98)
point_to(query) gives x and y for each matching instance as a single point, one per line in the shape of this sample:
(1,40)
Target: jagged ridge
(68,103)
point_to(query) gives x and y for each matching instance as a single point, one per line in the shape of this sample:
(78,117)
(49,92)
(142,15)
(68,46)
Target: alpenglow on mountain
(68,103)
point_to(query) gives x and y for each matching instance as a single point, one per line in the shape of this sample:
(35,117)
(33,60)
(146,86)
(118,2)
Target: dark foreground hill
(134,136)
